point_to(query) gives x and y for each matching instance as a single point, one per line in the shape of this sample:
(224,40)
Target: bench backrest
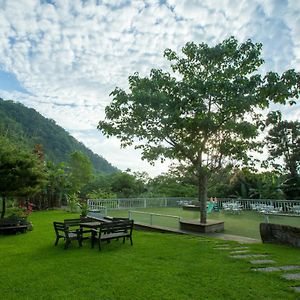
(76,222)
(117,226)
(60,227)
(72,222)
(9,222)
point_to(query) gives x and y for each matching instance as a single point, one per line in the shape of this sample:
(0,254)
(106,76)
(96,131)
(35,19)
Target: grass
(157,266)
(245,224)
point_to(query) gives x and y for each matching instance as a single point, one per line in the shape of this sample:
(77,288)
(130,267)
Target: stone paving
(262,261)
(227,247)
(274,269)
(243,252)
(239,252)
(291,276)
(296,288)
(248,256)
(241,247)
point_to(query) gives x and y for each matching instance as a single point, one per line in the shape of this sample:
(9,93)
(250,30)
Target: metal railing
(154,219)
(100,212)
(280,206)
(127,203)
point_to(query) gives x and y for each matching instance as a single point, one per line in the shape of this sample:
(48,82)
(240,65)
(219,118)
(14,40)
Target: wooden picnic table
(94,224)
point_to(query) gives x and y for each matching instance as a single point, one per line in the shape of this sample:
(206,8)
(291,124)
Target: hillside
(27,126)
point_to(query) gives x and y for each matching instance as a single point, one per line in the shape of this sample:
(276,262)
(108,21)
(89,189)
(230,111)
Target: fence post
(129,214)
(151,219)
(145,203)
(266,219)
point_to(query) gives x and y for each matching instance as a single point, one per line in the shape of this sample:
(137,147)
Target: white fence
(264,205)
(279,206)
(127,203)
(154,219)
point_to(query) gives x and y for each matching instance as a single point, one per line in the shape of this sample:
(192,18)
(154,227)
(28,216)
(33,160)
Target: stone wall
(280,234)
(196,226)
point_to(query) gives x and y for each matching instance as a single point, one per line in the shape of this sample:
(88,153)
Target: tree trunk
(3,207)
(202,194)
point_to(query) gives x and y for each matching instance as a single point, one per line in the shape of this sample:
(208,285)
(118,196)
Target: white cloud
(71,55)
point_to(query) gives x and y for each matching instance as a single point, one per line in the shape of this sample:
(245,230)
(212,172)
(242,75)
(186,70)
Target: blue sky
(9,82)
(63,58)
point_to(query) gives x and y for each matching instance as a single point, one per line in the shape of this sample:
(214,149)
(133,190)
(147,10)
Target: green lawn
(245,224)
(157,266)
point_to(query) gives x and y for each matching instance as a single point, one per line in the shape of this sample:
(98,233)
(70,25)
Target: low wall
(280,234)
(196,226)
(191,207)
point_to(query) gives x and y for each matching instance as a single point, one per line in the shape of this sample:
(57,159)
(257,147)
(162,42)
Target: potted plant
(84,209)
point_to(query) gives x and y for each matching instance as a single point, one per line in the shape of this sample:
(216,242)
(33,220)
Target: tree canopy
(204,115)
(21,172)
(81,171)
(283,141)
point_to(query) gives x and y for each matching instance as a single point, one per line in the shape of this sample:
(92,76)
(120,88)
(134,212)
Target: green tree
(206,115)
(171,185)
(100,183)
(125,185)
(81,171)
(219,183)
(57,183)
(252,185)
(21,172)
(283,141)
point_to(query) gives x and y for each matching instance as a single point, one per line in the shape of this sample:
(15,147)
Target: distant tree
(207,115)
(283,141)
(21,172)
(101,194)
(38,150)
(246,184)
(171,185)
(125,185)
(219,183)
(81,171)
(100,182)
(57,183)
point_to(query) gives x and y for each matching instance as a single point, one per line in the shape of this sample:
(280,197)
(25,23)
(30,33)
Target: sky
(63,58)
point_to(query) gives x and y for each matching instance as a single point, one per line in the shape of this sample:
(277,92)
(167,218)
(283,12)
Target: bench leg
(68,242)
(56,242)
(99,244)
(93,239)
(131,240)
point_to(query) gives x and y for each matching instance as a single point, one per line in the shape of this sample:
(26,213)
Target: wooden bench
(113,230)
(65,230)
(62,231)
(10,226)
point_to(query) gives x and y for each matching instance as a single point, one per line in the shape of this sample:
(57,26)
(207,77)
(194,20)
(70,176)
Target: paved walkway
(222,236)
(245,253)
(231,237)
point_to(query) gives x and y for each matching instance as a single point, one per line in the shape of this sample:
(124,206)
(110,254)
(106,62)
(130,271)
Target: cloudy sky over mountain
(63,58)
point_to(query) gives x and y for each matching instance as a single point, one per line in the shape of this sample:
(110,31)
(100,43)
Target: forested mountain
(26,126)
